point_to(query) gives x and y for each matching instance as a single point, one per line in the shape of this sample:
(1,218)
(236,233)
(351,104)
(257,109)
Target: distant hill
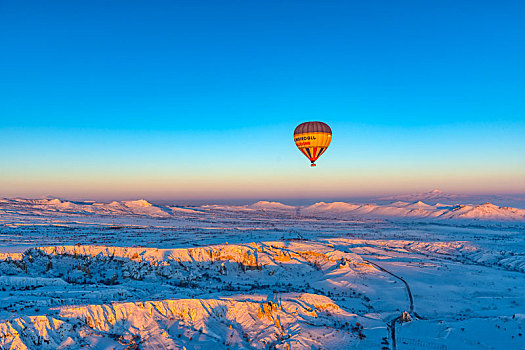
(437,196)
(414,210)
(425,196)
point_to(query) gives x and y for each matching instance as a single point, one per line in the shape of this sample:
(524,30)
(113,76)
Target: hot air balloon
(312,138)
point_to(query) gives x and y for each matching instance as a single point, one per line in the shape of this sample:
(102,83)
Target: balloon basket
(313,164)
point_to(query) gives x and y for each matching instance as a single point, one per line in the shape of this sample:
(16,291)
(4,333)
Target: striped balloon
(312,138)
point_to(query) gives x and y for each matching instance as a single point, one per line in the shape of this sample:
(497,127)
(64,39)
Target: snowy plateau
(403,274)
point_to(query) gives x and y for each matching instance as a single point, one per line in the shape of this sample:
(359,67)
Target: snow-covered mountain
(430,196)
(136,207)
(397,210)
(437,196)
(265,205)
(486,211)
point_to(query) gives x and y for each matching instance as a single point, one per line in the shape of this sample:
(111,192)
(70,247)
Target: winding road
(392,323)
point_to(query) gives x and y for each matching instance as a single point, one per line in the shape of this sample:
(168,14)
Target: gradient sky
(194,99)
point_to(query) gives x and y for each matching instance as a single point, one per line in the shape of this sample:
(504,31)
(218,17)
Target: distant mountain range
(431,195)
(437,196)
(415,210)
(400,209)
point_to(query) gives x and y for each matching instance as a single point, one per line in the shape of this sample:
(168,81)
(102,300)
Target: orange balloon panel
(312,139)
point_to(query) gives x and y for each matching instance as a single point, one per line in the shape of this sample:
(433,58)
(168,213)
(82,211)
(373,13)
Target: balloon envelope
(312,139)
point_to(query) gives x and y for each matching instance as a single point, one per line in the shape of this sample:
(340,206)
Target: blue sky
(199,99)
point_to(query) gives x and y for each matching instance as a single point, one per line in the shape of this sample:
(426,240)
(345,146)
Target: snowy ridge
(458,250)
(11,256)
(282,320)
(265,205)
(486,211)
(255,255)
(138,207)
(298,321)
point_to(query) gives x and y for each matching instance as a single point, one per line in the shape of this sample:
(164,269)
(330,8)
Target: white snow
(134,274)
(418,209)
(265,205)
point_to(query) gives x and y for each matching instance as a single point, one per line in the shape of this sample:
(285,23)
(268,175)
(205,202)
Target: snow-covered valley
(132,274)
